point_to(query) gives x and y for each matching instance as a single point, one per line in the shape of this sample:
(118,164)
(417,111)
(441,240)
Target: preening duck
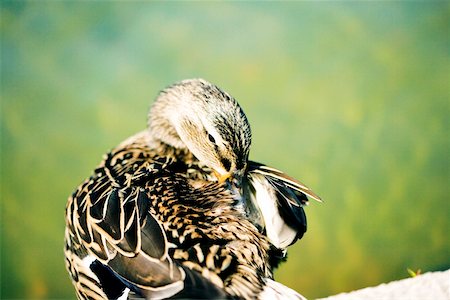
(178,210)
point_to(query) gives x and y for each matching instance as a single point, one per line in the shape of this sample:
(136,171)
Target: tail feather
(276,203)
(286,179)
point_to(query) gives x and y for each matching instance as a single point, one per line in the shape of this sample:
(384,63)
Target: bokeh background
(352,98)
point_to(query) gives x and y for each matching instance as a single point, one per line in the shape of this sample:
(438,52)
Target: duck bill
(232,179)
(222,177)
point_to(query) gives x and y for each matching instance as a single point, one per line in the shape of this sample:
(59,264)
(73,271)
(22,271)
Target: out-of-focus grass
(351,98)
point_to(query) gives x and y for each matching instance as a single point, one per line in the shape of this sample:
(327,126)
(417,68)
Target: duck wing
(115,246)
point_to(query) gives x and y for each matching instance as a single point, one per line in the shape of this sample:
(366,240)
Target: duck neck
(160,124)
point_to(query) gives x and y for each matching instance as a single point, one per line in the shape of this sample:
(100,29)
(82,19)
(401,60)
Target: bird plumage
(157,220)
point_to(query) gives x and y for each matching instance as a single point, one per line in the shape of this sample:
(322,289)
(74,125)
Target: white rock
(432,286)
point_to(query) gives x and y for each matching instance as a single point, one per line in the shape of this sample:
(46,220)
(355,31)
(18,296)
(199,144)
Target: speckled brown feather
(178,211)
(200,228)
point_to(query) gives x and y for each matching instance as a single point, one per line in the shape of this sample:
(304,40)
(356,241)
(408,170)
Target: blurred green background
(351,98)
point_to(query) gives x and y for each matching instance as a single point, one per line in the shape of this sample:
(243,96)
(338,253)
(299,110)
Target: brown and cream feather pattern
(152,221)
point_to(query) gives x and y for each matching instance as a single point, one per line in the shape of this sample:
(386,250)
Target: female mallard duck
(178,211)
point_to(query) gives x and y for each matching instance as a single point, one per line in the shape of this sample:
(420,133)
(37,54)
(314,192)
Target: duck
(179,211)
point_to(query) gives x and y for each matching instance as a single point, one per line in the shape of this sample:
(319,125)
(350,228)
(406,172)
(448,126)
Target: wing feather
(271,189)
(286,179)
(109,221)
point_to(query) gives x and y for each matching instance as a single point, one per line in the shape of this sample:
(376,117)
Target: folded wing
(115,246)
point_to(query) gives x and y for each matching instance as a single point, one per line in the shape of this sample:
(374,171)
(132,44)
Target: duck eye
(211,139)
(226,164)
